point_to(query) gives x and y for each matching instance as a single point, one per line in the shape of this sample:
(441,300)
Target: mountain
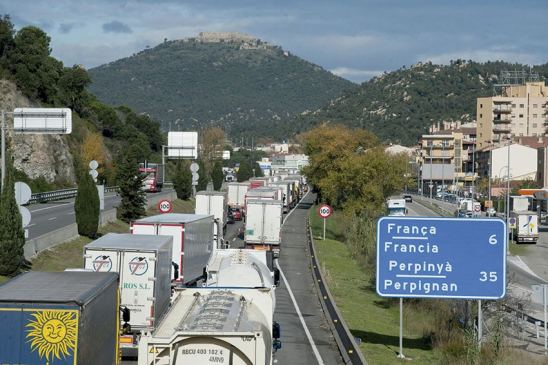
(400,106)
(231,80)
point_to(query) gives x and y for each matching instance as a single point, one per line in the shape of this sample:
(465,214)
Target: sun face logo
(53,334)
(138,266)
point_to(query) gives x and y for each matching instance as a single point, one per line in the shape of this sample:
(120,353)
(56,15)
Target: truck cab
(396,207)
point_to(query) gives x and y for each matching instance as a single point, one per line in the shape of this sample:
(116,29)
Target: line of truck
(169,291)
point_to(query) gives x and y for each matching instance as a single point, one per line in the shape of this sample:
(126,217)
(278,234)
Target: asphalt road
(313,344)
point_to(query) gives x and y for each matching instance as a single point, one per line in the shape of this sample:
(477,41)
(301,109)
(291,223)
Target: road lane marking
(30,225)
(53,206)
(297,309)
(51,219)
(288,214)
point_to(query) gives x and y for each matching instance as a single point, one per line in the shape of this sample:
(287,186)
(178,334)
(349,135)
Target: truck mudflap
(129,345)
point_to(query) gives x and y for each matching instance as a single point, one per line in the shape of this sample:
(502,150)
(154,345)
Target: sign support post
(324,228)
(401,355)
(545,338)
(480,324)
(3,148)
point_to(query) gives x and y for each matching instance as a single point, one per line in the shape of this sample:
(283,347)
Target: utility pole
(508,185)
(3,149)
(431,183)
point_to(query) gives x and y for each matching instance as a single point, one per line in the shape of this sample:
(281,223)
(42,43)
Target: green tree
(72,87)
(203,178)
(182,182)
(6,37)
(130,182)
(217,175)
(244,172)
(12,236)
(35,72)
(86,206)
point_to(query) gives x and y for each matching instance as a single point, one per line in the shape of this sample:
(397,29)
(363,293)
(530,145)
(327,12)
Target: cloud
(116,26)
(355,74)
(65,28)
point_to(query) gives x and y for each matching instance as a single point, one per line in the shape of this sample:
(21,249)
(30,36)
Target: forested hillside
(31,77)
(399,106)
(241,84)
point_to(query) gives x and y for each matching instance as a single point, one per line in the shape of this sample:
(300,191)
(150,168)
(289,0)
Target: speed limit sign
(325,211)
(165,206)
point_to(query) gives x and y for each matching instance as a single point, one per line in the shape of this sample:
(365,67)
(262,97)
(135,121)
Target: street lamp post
(508,185)
(431,184)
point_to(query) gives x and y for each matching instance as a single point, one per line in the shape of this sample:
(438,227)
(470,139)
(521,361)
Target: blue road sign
(441,258)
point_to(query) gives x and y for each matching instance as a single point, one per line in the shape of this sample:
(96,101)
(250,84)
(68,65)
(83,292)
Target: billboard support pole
(401,355)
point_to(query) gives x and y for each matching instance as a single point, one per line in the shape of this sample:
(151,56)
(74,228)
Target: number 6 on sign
(493,239)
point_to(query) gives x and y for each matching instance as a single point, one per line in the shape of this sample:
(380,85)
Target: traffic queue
(170,291)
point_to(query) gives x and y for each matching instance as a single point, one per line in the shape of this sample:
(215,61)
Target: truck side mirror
(126,316)
(276,276)
(175,270)
(276,332)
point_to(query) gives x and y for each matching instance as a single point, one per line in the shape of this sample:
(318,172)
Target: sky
(355,39)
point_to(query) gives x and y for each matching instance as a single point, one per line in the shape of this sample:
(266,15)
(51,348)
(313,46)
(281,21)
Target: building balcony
(440,146)
(501,129)
(502,120)
(502,109)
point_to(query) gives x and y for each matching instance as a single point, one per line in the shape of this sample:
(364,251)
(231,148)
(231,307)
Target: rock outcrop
(37,155)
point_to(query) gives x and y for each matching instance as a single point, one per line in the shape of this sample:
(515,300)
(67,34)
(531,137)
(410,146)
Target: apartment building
(520,111)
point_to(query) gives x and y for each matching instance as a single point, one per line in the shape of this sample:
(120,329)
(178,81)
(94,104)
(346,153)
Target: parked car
(408,198)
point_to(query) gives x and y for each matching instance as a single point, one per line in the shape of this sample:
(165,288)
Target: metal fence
(61,194)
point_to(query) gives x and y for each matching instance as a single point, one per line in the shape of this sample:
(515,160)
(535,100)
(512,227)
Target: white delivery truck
(209,326)
(396,207)
(263,225)
(213,203)
(519,203)
(192,241)
(236,194)
(526,230)
(144,265)
(287,196)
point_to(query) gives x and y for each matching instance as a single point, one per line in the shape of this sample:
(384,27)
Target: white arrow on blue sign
(441,258)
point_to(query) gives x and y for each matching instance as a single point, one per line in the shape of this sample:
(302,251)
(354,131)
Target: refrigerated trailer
(60,318)
(192,241)
(144,265)
(263,225)
(214,326)
(287,194)
(236,194)
(213,203)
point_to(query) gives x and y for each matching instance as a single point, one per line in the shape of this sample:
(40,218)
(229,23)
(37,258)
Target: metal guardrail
(61,194)
(346,343)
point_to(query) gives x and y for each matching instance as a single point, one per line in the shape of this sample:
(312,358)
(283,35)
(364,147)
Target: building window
(535,106)
(522,106)
(513,115)
(521,115)
(481,115)
(513,105)
(534,115)
(534,125)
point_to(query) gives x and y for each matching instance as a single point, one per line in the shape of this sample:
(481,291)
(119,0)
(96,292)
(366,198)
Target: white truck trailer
(192,241)
(213,203)
(396,207)
(209,326)
(526,230)
(287,195)
(263,225)
(236,194)
(144,265)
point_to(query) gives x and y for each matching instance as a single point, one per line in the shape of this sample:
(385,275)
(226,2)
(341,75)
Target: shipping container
(60,318)
(144,265)
(192,241)
(263,225)
(213,203)
(209,326)
(236,194)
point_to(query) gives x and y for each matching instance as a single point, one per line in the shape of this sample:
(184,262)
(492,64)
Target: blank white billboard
(42,120)
(182,145)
